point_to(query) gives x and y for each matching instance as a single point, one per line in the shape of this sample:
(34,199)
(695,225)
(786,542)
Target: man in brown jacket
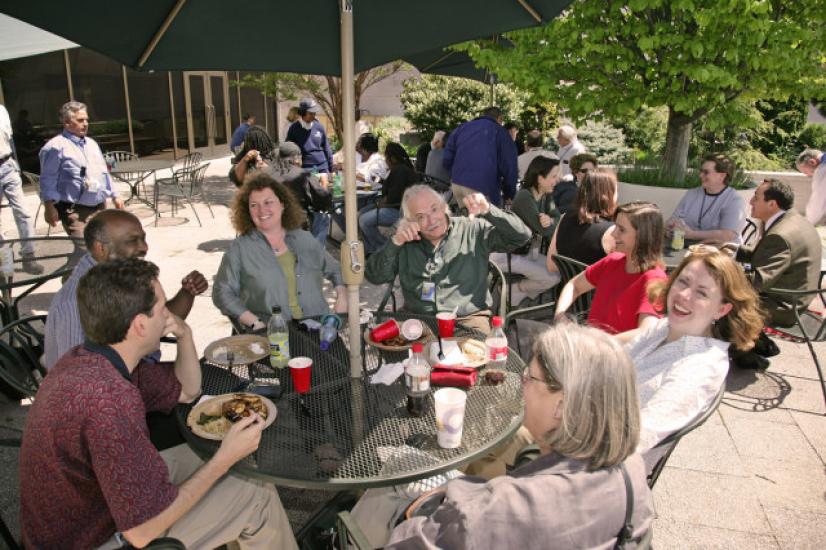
(788,256)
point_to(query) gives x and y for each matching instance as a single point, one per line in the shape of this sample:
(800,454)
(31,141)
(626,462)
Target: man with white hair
(442,261)
(74,178)
(813,163)
(569,146)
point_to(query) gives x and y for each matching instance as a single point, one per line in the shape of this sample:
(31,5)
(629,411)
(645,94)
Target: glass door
(207,110)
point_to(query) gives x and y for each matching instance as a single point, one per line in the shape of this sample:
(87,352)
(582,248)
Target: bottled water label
(279,350)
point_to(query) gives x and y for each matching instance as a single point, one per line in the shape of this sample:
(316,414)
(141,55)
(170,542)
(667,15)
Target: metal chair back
(660,453)
(497,286)
(350,534)
(809,326)
(21,346)
(568,269)
(119,156)
(191,161)
(749,233)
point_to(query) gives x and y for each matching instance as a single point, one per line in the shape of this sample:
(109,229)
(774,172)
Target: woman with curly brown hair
(273,262)
(682,360)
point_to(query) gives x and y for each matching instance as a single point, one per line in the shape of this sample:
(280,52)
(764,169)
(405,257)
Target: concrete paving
(754,476)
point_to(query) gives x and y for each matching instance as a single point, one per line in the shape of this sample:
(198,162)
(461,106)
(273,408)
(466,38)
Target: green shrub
(648,173)
(812,136)
(605,141)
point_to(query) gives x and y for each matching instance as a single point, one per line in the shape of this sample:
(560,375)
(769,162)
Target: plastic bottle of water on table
(279,339)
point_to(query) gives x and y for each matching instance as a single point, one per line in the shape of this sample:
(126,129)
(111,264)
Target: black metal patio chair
(809,326)
(656,457)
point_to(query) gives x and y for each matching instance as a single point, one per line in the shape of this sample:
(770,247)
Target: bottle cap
(418,347)
(324,345)
(496,321)
(276,309)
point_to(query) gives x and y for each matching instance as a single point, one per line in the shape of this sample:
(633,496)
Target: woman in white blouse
(682,360)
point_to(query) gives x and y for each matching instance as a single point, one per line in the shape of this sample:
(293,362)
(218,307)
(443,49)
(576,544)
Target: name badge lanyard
(703,210)
(431,268)
(84,168)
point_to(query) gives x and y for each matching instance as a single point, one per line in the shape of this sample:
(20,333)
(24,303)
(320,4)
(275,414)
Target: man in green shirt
(442,261)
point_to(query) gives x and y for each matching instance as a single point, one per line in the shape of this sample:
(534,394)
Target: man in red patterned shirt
(90,477)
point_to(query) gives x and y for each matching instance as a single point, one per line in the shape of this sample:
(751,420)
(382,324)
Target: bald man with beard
(109,235)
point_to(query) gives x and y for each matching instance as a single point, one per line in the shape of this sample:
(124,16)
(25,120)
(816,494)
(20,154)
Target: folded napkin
(459,377)
(387,374)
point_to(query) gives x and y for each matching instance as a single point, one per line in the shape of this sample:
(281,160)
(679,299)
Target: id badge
(429,291)
(91,185)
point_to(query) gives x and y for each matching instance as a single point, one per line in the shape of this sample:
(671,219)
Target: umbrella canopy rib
(161,31)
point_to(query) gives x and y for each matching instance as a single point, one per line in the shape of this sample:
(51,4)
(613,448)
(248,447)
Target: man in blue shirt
(240,133)
(74,178)
(309,134)
(481,157)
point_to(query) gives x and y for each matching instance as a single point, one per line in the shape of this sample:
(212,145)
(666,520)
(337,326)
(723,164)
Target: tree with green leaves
(326,90)
(435,102)
(611,58)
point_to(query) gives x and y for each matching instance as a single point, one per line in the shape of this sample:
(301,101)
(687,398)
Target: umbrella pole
(352,251)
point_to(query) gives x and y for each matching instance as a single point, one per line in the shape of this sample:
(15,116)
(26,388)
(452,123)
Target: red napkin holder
(457,377)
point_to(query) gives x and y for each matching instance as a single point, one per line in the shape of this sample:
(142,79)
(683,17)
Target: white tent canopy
(22,40)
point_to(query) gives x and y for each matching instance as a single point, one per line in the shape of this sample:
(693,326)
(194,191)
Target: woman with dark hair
(585,233)
(682,359)
(273,262)
(371,168)
(258,151)
(621,279)
(581,408)
(401,177)
(534,207)
(714,212)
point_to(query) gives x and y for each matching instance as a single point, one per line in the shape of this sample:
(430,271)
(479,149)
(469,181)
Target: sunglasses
(706,172)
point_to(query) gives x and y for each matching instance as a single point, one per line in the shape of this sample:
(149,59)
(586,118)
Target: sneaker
(32,267)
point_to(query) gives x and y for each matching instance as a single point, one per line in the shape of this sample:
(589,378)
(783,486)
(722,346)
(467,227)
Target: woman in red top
(621,279)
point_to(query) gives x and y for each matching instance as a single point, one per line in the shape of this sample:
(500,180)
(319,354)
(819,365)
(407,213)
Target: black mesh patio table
(347,433)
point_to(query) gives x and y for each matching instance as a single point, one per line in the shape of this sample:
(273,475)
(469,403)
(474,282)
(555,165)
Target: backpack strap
(627,530)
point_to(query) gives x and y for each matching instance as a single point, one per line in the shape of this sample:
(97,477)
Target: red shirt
(87,467)
(620,297)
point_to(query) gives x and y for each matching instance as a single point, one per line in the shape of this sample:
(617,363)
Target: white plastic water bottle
(279,339)
(497,345)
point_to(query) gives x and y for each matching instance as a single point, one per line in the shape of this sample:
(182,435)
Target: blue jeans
(12,186)
(320,227)
(369,224)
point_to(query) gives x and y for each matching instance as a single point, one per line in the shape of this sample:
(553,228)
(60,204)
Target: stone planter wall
(667,198)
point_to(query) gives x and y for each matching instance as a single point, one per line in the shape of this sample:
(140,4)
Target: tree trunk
(677,140)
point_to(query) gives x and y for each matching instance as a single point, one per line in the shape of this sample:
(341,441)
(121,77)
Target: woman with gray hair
(581,406)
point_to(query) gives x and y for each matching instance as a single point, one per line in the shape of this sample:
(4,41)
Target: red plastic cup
(301,372)
(385,331)
(447,324)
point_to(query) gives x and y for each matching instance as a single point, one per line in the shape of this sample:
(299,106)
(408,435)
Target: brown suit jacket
(788,257)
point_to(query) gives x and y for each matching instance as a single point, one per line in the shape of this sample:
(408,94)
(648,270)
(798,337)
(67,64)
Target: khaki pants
(495,463)
(235,508)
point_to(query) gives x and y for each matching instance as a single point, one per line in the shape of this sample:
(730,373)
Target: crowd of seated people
(658,347)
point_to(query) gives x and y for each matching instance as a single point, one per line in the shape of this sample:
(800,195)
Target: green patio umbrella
(331,37)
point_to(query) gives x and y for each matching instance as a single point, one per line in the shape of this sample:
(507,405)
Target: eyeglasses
(583,171)
(527,377)
(706,172)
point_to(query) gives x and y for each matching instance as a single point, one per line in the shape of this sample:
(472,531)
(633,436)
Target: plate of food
(245,349)
(475,352)
(399,342)
(212,419)
(459,352)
